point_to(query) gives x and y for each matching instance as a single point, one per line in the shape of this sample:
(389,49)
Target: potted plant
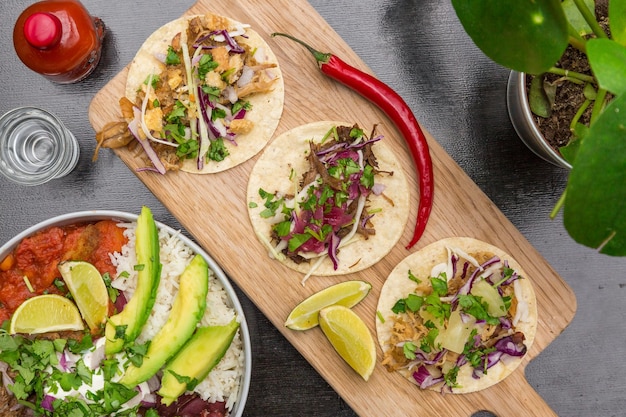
(531,38)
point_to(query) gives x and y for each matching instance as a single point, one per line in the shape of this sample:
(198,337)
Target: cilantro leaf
(206,65)
(409,350)
(217,150)
(172,57)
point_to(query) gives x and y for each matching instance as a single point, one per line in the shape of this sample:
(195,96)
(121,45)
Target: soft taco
(327,198)
(457,316)
(204,93)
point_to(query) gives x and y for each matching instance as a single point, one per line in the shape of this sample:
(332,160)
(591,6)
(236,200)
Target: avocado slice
(187,310)
(195,360)
(123,328)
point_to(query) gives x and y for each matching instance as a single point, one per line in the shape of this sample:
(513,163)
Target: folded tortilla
(266,107)
(421,265)
(287,156)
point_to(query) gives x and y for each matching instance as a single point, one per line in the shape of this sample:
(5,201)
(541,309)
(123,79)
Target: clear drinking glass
(35,146)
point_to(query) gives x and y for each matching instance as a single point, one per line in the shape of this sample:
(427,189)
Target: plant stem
(590,18)
(579,114)
(576,40)
(572,74)
(558,206)
(598,106)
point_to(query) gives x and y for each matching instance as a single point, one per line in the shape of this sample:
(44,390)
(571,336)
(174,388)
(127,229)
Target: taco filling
(203,94)
(462,325)
(325,206)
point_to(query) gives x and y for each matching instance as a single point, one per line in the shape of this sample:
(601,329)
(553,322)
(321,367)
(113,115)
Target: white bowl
(95,215)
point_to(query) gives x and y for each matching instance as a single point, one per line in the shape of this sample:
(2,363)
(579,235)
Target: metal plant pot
(522,119)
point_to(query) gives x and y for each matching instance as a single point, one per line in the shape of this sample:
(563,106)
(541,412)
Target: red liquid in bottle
(59,39)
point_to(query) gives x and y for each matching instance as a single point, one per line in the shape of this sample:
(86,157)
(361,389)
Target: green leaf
(617,20)
(595,203)
(523,35)
(608,62)
(538,98)
(575,18)
(570,150)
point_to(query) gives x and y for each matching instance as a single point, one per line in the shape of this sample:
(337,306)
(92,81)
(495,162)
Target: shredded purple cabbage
(424,379)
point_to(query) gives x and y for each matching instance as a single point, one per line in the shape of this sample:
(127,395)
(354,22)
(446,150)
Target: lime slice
(350,337)
(88,289)
(348,293)
(46,313)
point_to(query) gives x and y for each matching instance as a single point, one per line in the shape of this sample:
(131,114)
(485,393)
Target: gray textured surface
(420,49)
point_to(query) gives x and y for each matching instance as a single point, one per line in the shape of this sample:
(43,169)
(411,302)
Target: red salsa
(31,268)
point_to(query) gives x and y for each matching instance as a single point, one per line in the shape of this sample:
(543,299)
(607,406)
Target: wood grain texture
(213,209)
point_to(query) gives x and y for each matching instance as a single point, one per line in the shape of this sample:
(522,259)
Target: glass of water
(35,146)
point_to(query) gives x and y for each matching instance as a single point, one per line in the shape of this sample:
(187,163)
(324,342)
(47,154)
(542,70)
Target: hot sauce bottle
(59,39)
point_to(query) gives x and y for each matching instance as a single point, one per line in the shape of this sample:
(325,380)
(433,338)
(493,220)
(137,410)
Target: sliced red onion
(94,357)
(465,267)
(145,144)
(378,188)
(332,249)
(246,76)
(63,361)
(230,94)
(467,287)
(240,114)
(120,302)
(46,403)
(234,47)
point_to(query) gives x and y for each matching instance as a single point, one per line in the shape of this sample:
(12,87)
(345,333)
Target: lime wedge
(350,337)
(88,289)
(348,293)
(46,313)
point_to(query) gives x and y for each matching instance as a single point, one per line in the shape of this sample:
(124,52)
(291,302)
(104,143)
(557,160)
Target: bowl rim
(95,215)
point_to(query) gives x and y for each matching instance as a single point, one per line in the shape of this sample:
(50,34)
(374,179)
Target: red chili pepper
(398,111)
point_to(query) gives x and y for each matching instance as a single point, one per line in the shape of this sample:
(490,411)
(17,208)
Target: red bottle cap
(42,30)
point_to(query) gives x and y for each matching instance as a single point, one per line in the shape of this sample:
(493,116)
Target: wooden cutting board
(213,209)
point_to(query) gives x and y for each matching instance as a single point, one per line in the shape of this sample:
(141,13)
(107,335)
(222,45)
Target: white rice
(222,384)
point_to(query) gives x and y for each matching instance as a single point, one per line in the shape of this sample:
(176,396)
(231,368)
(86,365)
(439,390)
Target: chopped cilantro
(217,150)
(412,302)
(206,65)
(187,149)
(112,292)
(178,112)
(240,105)
(409,350)
(212,92)
(172,57)
(227,74)
(283,228)
(367,179)
(155,80)
(414,278)
(450,377)
(440,286)
(435,307)
(428,342)
(136,352)
(191,383)
(472,305)
(218,113)
(298,240)
(356,133)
